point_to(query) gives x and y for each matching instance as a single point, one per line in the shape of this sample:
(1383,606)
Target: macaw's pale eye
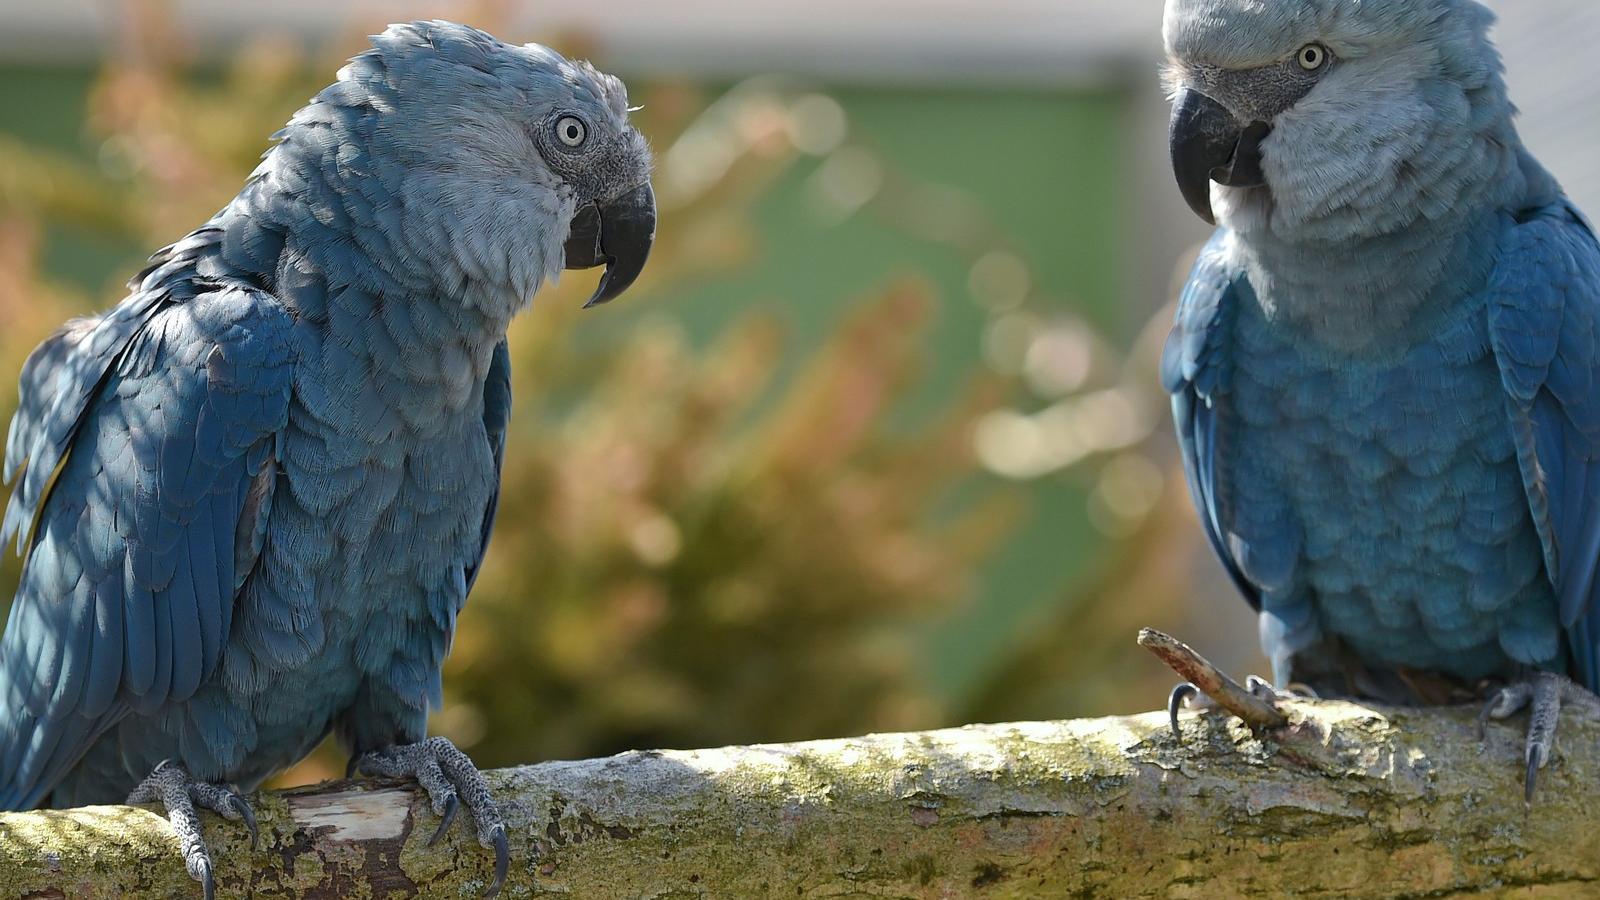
(571,131)
(1312,57)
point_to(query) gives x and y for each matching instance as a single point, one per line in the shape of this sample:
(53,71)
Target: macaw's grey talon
(451,781)
(1542,719)
(1541,694)
(1265,691)
(171,785)
(452,805)
(502,861)
(1260,687)
(249,816)
(1503,703)
(208,881)
(1184,692)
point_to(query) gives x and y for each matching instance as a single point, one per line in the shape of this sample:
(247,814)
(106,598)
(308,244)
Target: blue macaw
(254,495)
(1385,369)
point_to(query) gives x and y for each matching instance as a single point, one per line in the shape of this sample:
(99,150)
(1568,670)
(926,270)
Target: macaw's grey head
(1320,119)
(489,166)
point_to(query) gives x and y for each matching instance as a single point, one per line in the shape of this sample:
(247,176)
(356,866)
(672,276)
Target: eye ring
(571,132)
(1312,57)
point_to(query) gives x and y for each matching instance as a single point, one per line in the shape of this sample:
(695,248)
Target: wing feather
(1195,371)
(1544,319)
(143,450)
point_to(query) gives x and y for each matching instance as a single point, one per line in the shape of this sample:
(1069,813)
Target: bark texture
(1345,801)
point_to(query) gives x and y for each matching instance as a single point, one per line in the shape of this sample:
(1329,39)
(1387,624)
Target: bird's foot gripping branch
(1343,800)
(1542,694)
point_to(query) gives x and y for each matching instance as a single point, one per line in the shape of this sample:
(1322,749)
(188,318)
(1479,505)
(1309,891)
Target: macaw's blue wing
(146,442)
(496,416)
(1544,324)
(1195,370)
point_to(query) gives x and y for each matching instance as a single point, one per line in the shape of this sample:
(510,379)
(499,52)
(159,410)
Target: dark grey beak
(616,234)
(1208,145)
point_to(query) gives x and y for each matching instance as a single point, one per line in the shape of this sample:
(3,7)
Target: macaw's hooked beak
(617,234)
(1208,145)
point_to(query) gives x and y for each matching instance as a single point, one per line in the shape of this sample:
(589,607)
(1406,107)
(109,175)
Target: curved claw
(1301,689)
(452,805)
(208,881)
(351,767)
(1180,694)
(1532,780)
(502,862)
(1502,703)
(1485,714)
(249,816)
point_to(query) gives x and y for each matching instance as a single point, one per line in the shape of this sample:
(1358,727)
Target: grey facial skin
(1218,125)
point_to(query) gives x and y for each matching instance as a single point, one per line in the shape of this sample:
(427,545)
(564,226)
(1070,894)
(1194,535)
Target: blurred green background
(874,445)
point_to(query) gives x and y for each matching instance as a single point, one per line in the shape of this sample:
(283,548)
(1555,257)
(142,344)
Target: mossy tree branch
(1344,801)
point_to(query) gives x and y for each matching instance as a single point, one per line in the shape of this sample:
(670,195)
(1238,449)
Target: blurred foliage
(746,539)
(666,576)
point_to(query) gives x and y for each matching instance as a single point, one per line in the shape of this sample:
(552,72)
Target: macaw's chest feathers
(1379,501)
(377,525)
(1377,296)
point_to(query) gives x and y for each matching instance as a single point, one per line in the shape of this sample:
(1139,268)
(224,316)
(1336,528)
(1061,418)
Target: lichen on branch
(1344,801)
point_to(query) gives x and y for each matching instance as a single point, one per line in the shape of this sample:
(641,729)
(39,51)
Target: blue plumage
(1545,327)
(255,494)
(119,610)
(1374,500)
(1384,366)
